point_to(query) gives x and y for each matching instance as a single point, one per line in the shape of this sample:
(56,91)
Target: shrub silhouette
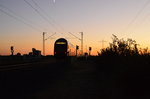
(121,47)
(126,66)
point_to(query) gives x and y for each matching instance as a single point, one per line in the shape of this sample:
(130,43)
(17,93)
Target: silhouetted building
(35,52)
(30,54)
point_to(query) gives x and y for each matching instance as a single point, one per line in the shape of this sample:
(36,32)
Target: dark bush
(126,66)
(121,47)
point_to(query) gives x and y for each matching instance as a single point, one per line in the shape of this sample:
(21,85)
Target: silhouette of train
(61,48)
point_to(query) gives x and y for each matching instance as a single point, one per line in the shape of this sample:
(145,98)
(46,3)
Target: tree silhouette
(121,47)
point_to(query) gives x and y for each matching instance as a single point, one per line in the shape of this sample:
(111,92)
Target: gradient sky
(21,25)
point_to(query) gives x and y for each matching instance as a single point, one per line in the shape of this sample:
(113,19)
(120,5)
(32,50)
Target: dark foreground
(78,79)
(50,80)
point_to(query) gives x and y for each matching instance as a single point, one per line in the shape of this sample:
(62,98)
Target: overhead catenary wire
(39,13)
(50,36)
(19,17)
(144,19)
(74,36)
(36,11)
(137,15)
(71,45)
(14,17)
(53,22)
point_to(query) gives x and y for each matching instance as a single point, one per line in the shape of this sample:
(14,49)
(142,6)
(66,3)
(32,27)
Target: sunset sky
(22,23)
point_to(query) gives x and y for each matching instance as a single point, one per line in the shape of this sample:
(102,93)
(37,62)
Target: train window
(61,43)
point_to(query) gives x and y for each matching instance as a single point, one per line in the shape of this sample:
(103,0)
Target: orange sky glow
(22,26)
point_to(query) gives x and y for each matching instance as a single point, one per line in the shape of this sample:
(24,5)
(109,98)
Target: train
(61,48)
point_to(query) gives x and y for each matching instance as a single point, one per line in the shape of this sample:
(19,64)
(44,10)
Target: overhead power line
(18,17)
(74,36)
(43,12)
(81,39)
(14,17)
(53,22)
(36,11)
(39,13)
(50,36)
(71,45)
(138,13)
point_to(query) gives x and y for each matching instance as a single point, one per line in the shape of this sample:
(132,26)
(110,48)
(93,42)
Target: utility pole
(44,43)
(103,43)
(45,40)
(81,43)
(81,39)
